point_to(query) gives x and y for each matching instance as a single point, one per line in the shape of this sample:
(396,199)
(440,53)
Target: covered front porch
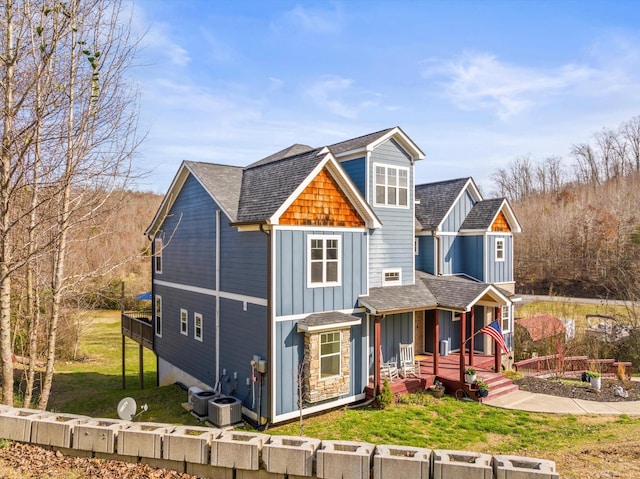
(449,376)
(443,318)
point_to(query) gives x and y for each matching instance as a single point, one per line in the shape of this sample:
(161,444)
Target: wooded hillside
(580,219)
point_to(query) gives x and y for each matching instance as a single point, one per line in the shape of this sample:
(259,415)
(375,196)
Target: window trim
(386,203)
(321,356)
(184,322)
(456,315)
(416,246)
(196,336)
(310,261)
(391,270)
(158,315)
(499,251)
(157,255)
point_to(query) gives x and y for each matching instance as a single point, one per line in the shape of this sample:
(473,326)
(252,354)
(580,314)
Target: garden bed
(572,388)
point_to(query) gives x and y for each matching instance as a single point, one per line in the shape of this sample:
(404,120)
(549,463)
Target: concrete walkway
(526,401)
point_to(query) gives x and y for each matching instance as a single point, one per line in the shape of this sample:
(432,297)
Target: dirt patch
(572,389)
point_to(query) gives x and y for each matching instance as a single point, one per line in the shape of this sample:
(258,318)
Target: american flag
(495,332)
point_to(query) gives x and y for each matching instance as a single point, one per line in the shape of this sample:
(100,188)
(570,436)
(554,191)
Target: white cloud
(480,81)
(313,20)
(337,95)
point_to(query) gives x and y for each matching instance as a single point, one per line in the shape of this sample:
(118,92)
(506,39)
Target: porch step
(499,385)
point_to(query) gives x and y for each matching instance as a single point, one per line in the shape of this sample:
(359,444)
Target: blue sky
(474,83)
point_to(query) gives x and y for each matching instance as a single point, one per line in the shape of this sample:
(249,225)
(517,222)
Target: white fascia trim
(511,217)
(314,409)
(368,307)
(400,136)
(169,199)
(475,193)
(254,227)
(348,187)
(498,233)
(493,292)
(212,292)
(447,233)
(337,229)
(424,233)
(328,327)
(296,317)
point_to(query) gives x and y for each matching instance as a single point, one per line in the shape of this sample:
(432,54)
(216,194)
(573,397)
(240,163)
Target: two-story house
(281,283)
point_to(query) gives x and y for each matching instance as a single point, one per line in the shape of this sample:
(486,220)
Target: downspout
(217,297)
(269,323)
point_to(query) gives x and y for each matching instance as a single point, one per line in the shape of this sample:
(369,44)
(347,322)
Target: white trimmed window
(416,246)
(324,262)
(330,354)
(157,255)
(392,186)
(504,319)
(158,314)
(197,326)
(184,322)
(391,277)
(499,249)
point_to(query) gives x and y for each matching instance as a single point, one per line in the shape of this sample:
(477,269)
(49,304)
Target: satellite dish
(127,409)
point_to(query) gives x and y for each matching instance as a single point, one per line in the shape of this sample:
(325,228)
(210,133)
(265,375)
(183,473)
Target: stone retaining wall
(229,454)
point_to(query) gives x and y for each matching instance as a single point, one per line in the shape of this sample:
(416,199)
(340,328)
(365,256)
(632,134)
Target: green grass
(94,387)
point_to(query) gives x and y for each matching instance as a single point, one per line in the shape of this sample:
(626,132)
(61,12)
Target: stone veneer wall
(317,389)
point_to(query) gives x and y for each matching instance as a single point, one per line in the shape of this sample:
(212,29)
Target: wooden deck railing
(544,365)
(138,326)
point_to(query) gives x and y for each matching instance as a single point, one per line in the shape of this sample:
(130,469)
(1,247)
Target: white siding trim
(296,317)
(314,409)
(212,292)
(337,229)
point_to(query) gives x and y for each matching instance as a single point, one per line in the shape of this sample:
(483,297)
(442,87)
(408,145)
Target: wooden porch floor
(449,375)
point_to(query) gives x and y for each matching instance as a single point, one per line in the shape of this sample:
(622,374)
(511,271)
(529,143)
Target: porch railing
(544,365)
(138,325)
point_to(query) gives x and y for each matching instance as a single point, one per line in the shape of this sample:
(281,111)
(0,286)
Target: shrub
(385,398)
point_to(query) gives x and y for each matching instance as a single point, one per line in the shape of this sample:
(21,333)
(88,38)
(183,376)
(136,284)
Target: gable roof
(484,213)
(222,183)
(368,142)
(436,199)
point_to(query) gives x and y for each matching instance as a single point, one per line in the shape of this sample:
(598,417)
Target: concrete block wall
(209,452)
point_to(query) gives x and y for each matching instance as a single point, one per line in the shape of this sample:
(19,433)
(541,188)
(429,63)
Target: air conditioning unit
(225,411)
(192,391)
(199,402)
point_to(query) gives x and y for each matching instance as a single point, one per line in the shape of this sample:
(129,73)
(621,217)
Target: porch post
(376,355)
(436,334)
(497,360)
(463,338)
(473,317)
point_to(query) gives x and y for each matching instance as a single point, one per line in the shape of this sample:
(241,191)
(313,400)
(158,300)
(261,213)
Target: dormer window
(392,186)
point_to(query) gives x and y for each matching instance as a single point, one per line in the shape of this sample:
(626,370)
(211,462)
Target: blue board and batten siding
(188,281)
(499,271)
(289,353)
(458,213)
(293,296)
(391,246)
(426,257)
(394,329)
(473,259)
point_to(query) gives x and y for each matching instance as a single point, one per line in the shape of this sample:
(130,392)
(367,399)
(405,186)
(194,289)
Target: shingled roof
(267,186)
(429,292)
(292,150)
(357,143)
(436,200)
(223,182)
(482,214)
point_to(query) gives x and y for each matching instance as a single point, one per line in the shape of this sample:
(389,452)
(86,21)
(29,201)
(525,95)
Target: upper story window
(158,314)
(391,277)
(500,249)
(323,261)
(157,255)
(330,354)
(197,326)
(184,325)
(392,186)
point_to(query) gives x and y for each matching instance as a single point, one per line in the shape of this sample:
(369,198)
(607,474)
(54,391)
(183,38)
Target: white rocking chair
(408,363)
(388,370)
